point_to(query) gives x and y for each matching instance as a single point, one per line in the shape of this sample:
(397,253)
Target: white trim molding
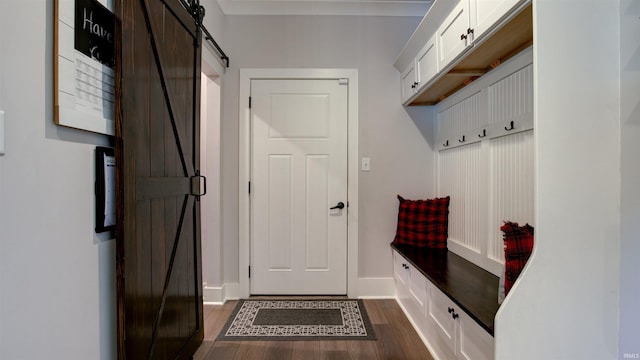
(246,75)
(377,288)
(326,7)
(220,294)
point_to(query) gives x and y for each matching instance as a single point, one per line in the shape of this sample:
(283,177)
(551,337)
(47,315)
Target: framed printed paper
(105,189)
(84,62)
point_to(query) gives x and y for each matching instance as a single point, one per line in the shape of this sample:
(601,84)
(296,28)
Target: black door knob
(340,206)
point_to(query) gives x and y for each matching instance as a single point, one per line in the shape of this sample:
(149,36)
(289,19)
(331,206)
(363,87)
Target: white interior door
(298,172)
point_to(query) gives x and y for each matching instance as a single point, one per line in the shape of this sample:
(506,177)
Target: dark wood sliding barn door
(157,143)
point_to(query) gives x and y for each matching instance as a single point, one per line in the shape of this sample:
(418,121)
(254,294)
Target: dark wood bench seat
(471,287)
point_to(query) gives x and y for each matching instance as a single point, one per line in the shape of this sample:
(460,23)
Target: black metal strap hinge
(198,185)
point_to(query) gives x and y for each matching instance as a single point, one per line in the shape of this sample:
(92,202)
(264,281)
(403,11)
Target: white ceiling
(326,7)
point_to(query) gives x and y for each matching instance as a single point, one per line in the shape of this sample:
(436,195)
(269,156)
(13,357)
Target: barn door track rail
(197,11)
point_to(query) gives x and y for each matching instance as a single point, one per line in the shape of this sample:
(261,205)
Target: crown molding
(324,7)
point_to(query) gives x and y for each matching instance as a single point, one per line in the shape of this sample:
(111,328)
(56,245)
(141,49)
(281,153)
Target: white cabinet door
(474,343)
(440,309)
(452,36)
(466,339)
(418,287)
(409,82)
(486,13)
(400,269)
(427,62)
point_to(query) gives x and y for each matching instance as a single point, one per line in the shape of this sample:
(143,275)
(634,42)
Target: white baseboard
(376,288)
(368,288)
(212,295)
(218,295)
(232,291)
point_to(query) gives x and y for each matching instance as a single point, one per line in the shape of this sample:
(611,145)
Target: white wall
(214,20)
(57,278)
(401,157)
(630,210)
(565,306)
(210,204)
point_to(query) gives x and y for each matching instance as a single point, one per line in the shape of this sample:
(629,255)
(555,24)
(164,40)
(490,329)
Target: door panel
(299,171)
(157,145)
(452,35)
(317,234)
(487,13)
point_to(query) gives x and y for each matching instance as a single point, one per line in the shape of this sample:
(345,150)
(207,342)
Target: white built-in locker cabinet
(452,34)
(468,21)
(427,63)
(409,82)
(421,70)
(485,13)
(485,162)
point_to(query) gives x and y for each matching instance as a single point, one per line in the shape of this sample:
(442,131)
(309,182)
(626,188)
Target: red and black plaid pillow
(423,223)
(518,245)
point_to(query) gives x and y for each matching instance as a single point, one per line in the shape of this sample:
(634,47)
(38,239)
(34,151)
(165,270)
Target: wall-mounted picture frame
(105,189)
(84,65)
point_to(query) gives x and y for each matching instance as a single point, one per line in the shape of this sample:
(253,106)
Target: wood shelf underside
(512,38)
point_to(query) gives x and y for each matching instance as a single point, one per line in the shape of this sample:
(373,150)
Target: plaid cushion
(423,223)
(518,244)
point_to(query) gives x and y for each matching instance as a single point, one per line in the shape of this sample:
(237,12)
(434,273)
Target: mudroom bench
(451,302)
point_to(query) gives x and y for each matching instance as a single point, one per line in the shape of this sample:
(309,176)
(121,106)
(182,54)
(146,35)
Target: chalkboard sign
(84,63)
(94,31)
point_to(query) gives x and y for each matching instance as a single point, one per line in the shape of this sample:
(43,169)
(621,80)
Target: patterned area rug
(298,320)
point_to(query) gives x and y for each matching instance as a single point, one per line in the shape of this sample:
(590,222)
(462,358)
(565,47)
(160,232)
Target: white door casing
(298,171)
(317,258)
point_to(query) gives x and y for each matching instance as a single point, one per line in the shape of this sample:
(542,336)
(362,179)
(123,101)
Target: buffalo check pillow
(423,223)
(518,245)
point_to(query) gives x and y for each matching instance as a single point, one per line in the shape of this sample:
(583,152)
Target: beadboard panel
(512,186)
(461,118)
(511,97)
(490,178)
(462,176)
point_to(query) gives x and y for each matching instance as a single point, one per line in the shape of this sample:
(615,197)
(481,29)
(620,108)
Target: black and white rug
(298,320)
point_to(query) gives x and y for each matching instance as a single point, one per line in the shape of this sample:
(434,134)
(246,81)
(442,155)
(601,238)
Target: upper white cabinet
(453,34)
(457,42)
(421,70)
(409,81)
(486,13)
(427,63)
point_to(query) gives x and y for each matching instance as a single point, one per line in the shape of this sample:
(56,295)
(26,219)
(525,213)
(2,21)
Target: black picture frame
(105,189)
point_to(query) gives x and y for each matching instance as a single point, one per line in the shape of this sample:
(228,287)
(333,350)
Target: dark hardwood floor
(396,339)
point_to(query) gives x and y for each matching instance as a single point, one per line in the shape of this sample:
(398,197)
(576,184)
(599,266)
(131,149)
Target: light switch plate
(1,132)
(366,164)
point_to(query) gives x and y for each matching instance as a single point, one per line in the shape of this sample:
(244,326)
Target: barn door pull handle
(196,189)
(340,206)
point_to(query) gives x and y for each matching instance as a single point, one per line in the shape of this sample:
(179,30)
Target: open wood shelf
(515,36)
